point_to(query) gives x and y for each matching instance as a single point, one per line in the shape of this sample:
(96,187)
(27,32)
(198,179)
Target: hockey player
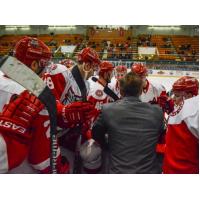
(154,94)
(119,72)
(99,90)
(21,146)
(151,91)
(182,137)
(67,62)
(99,94)
(64,82)
(71,85)
(36,55)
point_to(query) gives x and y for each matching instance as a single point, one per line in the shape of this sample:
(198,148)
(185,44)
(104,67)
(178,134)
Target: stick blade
(20,73)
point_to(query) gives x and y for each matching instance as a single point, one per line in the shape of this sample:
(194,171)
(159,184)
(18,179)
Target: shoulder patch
(99,93)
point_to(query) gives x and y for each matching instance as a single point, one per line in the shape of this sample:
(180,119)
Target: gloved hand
(75,113)
(166,103)
(17,116)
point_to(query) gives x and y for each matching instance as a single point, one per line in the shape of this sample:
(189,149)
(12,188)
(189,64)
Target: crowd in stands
(145,41)
(116,49)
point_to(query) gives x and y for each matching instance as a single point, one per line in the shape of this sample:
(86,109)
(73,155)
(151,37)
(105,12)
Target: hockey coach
(133,129)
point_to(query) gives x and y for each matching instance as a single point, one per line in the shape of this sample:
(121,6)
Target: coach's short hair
(131,85)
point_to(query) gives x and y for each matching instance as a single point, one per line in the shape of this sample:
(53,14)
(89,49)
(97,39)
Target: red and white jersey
(182,139)
(8,88)
(13,153)
(151,92)
(61,81)
(114,85)
(96,94)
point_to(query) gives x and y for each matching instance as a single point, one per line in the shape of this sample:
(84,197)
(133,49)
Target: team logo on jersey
(99,93)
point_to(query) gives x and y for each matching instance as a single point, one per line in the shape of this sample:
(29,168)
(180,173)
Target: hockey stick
(20,73)
(81,84)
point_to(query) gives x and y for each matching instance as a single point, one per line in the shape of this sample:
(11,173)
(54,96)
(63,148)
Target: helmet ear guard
(85,70)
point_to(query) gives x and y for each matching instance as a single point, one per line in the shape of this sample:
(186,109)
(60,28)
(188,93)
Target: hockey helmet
(90,153)
(30,49)
(186,84)
(140,69)
(120,71)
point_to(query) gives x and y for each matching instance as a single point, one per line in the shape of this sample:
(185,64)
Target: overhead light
(165,27)
(62,27)
(11,27)
(113,26)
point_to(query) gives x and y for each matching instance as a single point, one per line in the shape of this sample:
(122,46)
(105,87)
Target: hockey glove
(75,113)
(17,116)
(166,103)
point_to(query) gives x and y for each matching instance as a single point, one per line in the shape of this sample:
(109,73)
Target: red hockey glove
(166,103)
(17,116)
(75,113)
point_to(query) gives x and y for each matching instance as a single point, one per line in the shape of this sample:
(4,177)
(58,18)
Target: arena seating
(7,42)
(117,44)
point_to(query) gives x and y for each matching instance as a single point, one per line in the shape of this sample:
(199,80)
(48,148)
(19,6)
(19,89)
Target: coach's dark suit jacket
(133,129)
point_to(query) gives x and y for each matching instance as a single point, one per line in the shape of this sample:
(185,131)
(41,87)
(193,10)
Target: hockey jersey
(62,83)
(151,92)
(8,88)
(114,85)
(182,139)
(13,154)
(96,95)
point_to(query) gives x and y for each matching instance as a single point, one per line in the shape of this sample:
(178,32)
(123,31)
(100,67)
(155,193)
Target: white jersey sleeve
(8,87)
(152,93)
(189,114)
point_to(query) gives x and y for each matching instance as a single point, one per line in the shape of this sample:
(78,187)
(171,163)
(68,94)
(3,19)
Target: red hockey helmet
(67,62)
(30,49)
(139,68)
(105,66)
(120,71)
(187,84)
(88,55)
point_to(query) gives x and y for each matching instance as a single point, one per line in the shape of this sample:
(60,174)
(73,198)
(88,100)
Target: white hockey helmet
(90,153)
